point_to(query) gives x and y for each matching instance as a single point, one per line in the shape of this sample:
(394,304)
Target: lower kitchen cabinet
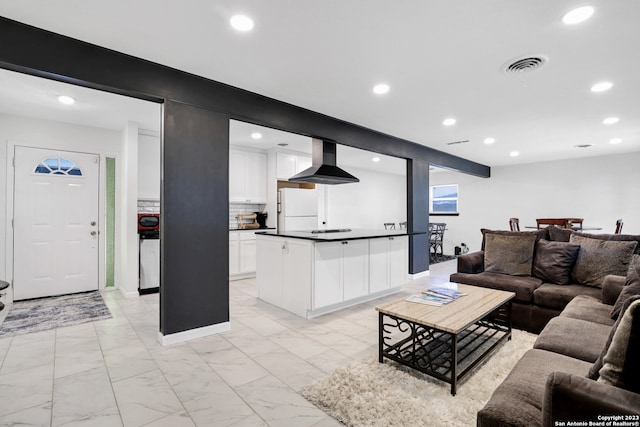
(242,254)
(310,278)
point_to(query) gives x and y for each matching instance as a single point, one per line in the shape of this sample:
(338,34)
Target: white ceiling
(440,59)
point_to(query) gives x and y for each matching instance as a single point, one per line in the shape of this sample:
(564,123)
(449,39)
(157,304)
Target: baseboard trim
(419,275)
(191,334)
(132,294)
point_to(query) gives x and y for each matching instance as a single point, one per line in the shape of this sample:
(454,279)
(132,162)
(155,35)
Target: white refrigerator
(297,209)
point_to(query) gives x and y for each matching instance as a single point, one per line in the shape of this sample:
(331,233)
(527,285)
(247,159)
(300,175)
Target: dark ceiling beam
(39,52)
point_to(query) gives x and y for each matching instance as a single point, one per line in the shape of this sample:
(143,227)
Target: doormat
(43,314)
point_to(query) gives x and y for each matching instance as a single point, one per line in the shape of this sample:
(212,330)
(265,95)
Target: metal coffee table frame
(443,355)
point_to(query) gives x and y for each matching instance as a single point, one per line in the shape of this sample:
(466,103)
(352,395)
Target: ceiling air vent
(525,64)
(583,145)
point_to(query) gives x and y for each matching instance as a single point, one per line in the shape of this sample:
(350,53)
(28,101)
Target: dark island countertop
(343,234)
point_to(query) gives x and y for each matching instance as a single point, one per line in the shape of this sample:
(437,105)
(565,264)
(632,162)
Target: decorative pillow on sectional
(594,372)
(553,261)
(597,258)
(631,286)
(559,234)
(621,367)
(507,254)
(540,234)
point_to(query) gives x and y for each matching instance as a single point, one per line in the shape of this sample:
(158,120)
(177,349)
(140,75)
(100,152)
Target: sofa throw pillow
(631,286)
(553,261)
(597,258)
(540,234)
(621,367)
(511,255)
(559,234)
(594,372)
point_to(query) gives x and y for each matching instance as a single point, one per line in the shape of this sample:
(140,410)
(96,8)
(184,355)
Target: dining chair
(436,239)
(514,224)
(574,223)
(618,226)
(389,225)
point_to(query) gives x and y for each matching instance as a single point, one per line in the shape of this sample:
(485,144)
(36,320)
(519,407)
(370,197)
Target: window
(443,199)
(58,166)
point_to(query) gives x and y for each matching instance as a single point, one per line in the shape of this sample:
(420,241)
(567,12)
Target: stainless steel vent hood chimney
(323,168)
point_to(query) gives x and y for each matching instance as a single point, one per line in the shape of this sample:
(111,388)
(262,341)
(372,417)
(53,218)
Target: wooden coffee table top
(453,317)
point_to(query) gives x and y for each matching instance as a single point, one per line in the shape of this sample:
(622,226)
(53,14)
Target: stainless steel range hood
(323,168)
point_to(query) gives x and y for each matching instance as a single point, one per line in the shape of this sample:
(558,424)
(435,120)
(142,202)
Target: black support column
(194,291)
(418,214)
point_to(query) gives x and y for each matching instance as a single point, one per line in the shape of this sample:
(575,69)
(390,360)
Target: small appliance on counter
(247,221)
(261,217)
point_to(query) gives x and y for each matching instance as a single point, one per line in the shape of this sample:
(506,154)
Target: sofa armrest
(471,263)
(611,288)
(569,397)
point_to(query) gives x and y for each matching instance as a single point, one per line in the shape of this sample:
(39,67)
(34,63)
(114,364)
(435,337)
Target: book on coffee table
(442,292)
(428,299)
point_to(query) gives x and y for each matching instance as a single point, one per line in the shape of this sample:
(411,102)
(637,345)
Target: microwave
(148,222)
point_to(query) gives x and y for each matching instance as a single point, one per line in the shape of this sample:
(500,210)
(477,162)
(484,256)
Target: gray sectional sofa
(545,268)
(584,366)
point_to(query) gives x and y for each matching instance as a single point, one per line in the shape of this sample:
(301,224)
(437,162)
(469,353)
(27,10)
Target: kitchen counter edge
(337,237)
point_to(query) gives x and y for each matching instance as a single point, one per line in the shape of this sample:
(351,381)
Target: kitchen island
(310,273)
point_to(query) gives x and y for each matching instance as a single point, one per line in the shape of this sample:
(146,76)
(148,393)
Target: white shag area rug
(369,393)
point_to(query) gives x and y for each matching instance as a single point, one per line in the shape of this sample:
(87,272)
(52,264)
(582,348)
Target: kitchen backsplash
(241,208)
(148,206)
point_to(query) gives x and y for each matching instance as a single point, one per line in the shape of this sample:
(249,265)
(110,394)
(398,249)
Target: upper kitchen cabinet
(288,164)
(148,167)
(247,176)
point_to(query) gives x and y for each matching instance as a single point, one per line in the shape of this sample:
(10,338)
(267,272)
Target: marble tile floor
(115,373)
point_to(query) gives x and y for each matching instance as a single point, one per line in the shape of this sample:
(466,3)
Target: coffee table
(448,341)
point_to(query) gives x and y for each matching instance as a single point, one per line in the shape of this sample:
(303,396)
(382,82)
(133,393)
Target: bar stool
(3,285)
(389,225)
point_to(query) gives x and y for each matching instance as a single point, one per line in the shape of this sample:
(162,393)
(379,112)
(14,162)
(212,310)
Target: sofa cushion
(511,255)
(523,286)
(588,308)
(518,400)
(621,367)
(594,371)
(631,286)
(543,233)
(558,296)
(559,234)
(575,338)
(597,258)
(553,261)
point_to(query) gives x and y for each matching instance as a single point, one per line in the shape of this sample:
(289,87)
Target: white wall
(376,199)
(48,134)
(148,167)
(598,189)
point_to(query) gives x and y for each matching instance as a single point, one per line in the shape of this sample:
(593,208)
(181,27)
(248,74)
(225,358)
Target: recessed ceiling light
(489,141)
(381,89)
(449,122)
(601,87)
(611,120)
(241,22)
(256,135)
(375,159)
(67,100)
(578,15)
(615,140)
(514,154)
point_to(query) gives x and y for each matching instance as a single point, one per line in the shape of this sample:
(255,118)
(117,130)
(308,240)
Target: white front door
(55,222)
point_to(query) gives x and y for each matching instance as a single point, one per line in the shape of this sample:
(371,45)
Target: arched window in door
(58,166)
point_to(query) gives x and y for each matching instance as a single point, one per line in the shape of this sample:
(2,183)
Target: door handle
(93,223)
(93,233)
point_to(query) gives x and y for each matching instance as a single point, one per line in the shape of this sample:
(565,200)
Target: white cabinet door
(247,176)
(355,268)
(247,262)
(398,261)
(285,165)
(236,176)
(328,274)
(296,277)
(302,163)
(378,265)
(269,270)
(256,177)
(234,265)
